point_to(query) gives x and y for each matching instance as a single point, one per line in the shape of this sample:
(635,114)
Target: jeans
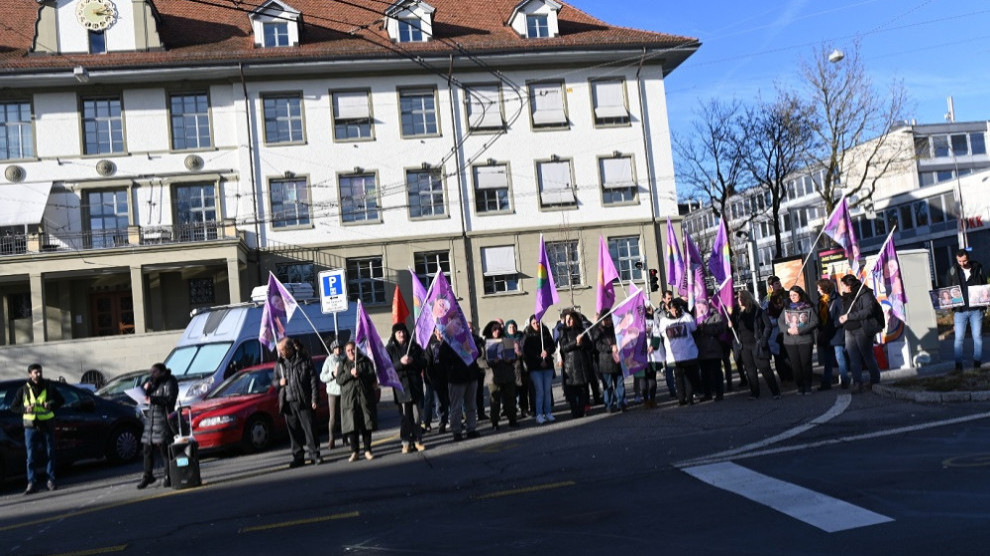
(542,385)
(842,361)
(668,377)
(974,318)
(45,436)
(615,390)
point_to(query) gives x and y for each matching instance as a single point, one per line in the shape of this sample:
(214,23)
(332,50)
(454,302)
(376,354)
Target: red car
(243,411)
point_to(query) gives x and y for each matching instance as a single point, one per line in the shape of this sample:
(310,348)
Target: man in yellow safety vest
(38,400)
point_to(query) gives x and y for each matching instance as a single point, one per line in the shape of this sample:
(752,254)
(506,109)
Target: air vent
(194,163)
(106,168)
(14,173)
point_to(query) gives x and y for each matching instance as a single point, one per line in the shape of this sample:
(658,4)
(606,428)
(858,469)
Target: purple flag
(279,308)
(697,294)
(423,319)
(720,265)
(370,343)
(442,305)
(887,278)
(630,332)
(675,264)
(839,227)
(605,295)
(546,290)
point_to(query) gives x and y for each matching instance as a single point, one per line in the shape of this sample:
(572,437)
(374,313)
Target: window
(906,217)
(429,263)
(865,228)
(944,175)
(300,273)
(940,144)
(564,262)
(935,210)
(926,178)
(108,218)
(410,30)
(880,224)
(290,203)
(97,42)
(960,146)
(921,213)
(785,221)
(283,119)
(351,116)
(419,112)
(491,188)
(103,126)
(190,121)
(922,148)
(537,27)
(196,212)
(546,101)
(16,133)
(977,143)
(609,100)
(201,291)
(358,198)
(892,219)
(555,184)
(484,107)
(625,254)
(618,185)
(949,204)
(425,193)
(276,34)
(364,280)
(498,266)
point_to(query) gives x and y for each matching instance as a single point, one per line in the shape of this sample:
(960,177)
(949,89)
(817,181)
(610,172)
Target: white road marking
(819,510)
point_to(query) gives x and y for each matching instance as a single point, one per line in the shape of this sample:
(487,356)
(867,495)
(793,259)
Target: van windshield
(192,361)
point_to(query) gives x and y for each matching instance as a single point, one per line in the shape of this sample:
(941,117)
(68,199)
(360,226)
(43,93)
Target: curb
(885,391)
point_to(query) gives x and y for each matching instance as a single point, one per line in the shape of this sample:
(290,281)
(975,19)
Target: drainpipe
(254,190)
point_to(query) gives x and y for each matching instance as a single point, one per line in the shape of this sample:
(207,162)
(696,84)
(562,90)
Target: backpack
(876,323)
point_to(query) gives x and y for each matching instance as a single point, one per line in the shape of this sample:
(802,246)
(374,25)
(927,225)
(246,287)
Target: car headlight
(200,388)
(216,421)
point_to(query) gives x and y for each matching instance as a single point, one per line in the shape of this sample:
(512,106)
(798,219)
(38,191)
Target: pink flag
(887,278)
(720,265)
(839,227)
(630,332)
(675,264)
(605,297)
(423,319)
(279,308)
(697,293)
(546,290)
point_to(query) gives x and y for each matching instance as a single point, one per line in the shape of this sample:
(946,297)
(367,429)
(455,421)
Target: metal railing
(49,242)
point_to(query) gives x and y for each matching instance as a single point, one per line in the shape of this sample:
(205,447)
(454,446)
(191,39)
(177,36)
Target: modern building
(164,155)
(945,176)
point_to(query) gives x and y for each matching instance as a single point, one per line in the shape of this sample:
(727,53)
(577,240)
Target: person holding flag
(538,348)
(859,320)
(358,400)
(407,358)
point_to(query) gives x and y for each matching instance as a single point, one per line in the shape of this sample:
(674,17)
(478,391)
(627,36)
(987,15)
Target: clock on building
(96,15)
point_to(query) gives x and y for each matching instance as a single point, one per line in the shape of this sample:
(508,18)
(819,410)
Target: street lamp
(836,56)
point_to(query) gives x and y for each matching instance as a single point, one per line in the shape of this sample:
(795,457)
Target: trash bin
(183,459)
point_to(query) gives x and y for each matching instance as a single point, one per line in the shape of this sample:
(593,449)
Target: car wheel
(124,445)
(257,434)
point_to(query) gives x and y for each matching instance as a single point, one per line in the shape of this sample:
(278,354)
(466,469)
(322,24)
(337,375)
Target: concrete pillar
(234,280)
(137,300)
(37,309)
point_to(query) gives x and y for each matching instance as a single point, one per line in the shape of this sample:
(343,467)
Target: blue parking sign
(333,291)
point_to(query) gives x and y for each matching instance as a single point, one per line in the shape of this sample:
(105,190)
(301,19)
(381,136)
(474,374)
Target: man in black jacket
(967,273)
(38,400)
(298,394)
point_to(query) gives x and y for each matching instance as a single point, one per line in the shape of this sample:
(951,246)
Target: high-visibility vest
(40,413)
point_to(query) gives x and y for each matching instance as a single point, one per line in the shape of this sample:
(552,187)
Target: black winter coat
(577,367)
(445,362)
(604,340)
(532,346)
(302,383)
(707,336)
(411,375)
(161,396)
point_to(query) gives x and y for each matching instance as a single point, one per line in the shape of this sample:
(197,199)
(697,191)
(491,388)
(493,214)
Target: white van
(219,341)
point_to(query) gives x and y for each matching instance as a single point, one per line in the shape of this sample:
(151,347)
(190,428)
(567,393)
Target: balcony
(130,237)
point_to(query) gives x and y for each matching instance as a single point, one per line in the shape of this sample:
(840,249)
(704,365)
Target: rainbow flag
(546,290)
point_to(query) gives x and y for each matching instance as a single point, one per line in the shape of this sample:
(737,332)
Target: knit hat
(400,326)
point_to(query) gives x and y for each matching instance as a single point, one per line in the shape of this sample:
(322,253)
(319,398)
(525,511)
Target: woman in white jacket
(682,352)
(329,377)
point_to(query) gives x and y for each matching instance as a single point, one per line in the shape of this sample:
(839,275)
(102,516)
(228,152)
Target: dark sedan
(86,427)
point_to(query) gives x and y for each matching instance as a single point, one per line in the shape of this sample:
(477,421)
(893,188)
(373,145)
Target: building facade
(162,155)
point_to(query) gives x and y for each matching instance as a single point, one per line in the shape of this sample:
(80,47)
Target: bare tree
(854,125)
(775,138)
(712,164)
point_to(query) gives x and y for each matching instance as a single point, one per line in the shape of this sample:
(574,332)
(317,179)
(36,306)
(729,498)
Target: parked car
(86,427)
(243,411)
(115,388)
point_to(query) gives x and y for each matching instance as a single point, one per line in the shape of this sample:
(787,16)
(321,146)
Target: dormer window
(536,19)
(409,21)
(536,27)
(410,30)
(275,24)
(276,34)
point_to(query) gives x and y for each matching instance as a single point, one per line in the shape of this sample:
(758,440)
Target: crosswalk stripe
(814,508)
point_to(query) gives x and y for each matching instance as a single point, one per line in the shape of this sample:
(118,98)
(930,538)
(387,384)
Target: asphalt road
(823,474)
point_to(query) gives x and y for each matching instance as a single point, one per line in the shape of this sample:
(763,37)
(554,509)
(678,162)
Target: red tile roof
(210,31)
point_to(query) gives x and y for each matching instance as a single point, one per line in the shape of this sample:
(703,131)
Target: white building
(164,155)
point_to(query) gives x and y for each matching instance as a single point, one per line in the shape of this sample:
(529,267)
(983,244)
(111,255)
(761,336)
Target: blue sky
(937,48)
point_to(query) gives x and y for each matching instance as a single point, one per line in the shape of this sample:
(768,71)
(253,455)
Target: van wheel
(257,434)
(123,445)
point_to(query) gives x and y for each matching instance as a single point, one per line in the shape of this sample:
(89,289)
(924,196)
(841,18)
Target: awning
(23,203)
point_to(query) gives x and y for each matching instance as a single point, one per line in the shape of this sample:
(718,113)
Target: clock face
(96,15)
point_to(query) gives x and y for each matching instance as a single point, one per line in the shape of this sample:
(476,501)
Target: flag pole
(605,316)
(811,249)
(416,320)
(863,283)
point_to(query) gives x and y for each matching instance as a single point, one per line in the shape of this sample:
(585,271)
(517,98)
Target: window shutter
(617,172)
(351,106)
(547,102)
(491,177)
(496,261)
(555,183)
(484,107)
(609,100)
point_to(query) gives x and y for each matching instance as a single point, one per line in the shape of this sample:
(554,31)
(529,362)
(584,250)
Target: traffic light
(654,280)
